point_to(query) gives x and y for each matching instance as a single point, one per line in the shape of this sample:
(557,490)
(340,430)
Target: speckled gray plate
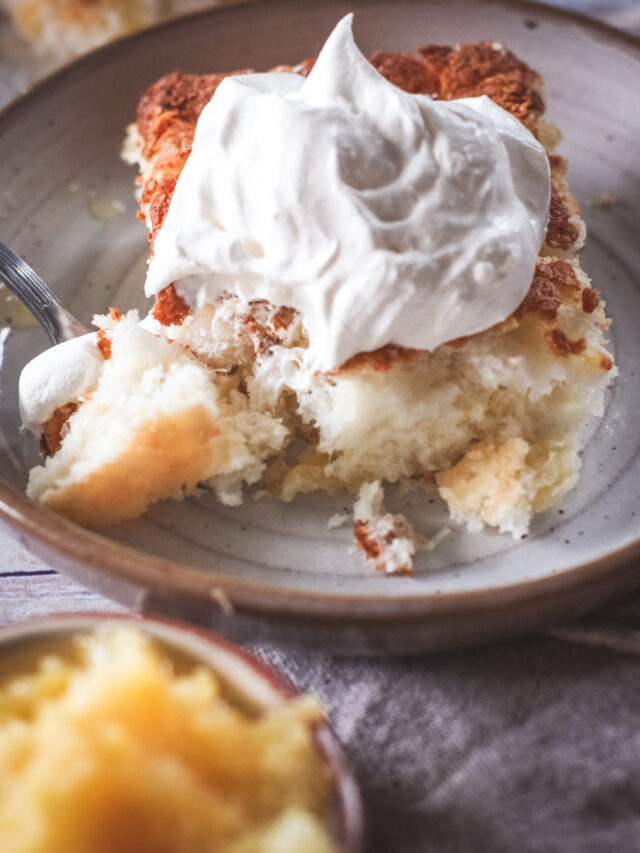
(267,569)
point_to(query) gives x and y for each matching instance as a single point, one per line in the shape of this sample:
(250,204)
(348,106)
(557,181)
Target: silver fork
(31,290)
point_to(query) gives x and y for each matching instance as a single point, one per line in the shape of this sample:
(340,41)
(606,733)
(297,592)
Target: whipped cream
(382,216)
(57,376)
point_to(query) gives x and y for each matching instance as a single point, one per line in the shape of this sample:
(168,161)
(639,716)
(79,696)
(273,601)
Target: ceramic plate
(276,570)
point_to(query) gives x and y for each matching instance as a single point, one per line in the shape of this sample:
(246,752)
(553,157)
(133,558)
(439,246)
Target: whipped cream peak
(59,375)
(382,216)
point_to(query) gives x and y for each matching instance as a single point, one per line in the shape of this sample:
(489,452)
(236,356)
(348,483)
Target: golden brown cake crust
(549,289)
(379,360)
(181,95)
(170,307)
(374,546)
(51,440)
(104,344)
(169,110)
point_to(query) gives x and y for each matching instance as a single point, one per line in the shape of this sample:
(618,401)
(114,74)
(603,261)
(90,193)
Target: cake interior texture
(493,423)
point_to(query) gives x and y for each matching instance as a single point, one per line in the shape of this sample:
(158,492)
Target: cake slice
(493,422)
(156,423)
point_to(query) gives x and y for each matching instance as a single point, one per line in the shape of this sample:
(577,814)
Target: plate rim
(94,559)
(147,571)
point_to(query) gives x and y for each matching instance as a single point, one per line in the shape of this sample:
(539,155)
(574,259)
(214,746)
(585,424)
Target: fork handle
(31,290)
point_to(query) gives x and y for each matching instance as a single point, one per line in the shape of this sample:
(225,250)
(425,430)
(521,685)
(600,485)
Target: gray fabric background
(532,745)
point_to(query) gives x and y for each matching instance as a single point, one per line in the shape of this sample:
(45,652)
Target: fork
(31,290)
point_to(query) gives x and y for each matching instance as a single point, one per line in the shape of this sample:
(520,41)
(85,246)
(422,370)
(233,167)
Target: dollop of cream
(58,376)
(382,216)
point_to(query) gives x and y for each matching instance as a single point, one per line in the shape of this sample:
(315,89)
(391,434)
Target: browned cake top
(441,72)
(169,110)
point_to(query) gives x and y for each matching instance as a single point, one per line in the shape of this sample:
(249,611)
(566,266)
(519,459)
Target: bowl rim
(100,562)
(347,799)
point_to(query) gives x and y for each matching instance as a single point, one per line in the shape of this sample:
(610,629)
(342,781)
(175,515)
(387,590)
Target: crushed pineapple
(112,750)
